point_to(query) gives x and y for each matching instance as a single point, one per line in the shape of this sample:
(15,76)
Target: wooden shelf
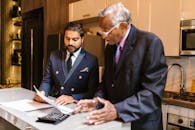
(16,39)
(18,23)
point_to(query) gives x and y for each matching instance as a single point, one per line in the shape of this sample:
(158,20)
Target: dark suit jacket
(135,85)
(81,82)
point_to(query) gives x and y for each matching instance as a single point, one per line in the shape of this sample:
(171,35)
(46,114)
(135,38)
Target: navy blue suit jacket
(82,80)
(135,85)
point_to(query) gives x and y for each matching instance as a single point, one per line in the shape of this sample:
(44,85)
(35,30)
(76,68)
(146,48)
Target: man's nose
(71,42)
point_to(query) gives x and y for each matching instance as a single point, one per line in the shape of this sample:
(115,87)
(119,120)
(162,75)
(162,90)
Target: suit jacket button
(62,87)
(80,77)
(57,72)
(112,85)
(72,89)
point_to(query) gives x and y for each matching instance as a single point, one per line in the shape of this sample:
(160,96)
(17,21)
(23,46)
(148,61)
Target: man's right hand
(38,98)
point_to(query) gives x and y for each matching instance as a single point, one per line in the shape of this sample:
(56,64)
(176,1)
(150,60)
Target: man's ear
(82,39)
(124,25)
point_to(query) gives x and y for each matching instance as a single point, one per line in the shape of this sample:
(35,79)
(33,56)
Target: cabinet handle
(31,57)
(86,15)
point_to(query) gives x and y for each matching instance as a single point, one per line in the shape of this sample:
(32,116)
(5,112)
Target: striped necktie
(69,62)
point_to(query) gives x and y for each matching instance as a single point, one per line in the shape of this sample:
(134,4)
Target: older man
(134,76)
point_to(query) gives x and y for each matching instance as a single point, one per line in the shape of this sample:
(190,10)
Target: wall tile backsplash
(174,74)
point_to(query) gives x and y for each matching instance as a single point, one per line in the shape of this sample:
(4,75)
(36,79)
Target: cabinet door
(161,17)
(165,22)
(139,10)
(85,9)
(143,15)
(188,11)
(131,5)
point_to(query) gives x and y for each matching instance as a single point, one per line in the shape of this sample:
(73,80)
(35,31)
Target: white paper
(61,108)
(26,105)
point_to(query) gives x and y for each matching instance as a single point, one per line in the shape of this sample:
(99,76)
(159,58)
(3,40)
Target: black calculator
(53,118)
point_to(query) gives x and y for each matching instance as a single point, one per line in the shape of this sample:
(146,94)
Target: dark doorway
(32,48)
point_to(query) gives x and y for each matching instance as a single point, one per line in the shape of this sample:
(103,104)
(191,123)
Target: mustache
(71,46)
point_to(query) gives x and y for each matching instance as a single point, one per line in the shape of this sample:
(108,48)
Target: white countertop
(27,120)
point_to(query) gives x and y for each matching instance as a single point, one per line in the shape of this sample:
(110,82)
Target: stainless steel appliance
(177,122)
(187,37)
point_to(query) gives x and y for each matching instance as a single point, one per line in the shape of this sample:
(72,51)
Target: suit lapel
(128,47)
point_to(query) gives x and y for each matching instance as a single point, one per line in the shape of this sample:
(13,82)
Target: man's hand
(86,105)
(64,99)
(38,98)
(107,113)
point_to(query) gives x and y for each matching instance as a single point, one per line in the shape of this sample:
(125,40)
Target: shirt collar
(75,54)
(122,43)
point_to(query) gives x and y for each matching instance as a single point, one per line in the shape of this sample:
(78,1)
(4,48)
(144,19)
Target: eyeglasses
(108,32)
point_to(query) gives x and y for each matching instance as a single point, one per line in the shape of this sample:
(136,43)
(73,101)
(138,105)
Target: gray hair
(119,13)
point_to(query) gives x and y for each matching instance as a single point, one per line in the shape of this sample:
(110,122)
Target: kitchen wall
(174,74)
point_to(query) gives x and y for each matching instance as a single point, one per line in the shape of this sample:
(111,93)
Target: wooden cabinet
(161,17)
(28,5)
(55,17)
(132,5)
(143,15)
(164,21)
(55,13)
(188,11)
(85,9)
(139,11)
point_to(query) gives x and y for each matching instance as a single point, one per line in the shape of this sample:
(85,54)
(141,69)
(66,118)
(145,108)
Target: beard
(72,49)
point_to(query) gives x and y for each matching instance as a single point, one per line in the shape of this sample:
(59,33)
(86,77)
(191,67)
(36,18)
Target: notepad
(26,105)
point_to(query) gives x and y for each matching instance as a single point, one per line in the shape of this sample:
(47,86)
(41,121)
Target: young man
(71,73)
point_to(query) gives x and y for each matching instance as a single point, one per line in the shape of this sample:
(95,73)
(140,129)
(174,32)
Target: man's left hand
(107,113)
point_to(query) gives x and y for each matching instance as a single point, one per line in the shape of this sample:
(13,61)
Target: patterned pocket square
(86,69)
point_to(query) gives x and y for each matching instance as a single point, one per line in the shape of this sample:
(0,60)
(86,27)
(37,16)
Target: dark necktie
(69,62)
